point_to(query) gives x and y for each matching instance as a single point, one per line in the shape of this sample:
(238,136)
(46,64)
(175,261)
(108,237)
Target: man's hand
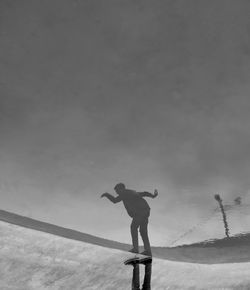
(111,197)
(155,193)
(104,194)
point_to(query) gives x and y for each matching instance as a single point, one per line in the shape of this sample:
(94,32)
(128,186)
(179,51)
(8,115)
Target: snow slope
(235,249)
(31,259)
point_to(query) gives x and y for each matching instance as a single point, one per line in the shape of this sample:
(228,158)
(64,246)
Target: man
(138,209)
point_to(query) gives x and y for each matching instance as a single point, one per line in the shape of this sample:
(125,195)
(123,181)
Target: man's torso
(135,205)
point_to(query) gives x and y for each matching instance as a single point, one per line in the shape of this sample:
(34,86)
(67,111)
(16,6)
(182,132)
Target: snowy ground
(36,260)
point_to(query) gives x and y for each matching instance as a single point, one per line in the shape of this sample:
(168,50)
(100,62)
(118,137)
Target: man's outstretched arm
(111,197)
(149,194)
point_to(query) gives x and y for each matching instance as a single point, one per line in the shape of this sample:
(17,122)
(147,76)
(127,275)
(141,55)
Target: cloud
(152,94)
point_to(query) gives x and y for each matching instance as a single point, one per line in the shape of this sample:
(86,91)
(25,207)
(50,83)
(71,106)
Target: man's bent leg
(144,235)
(134,234)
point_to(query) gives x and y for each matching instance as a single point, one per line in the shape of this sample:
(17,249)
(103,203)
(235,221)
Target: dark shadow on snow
(135,263)
(234,249)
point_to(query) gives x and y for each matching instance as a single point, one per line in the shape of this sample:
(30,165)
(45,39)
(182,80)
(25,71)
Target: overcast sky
(151,93)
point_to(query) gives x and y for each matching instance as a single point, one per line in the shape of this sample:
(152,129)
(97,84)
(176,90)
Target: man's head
(119,187)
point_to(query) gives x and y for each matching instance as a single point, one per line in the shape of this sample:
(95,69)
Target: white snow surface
(31,259)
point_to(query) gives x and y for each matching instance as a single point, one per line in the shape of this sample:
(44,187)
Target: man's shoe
(134,251)
(146,253)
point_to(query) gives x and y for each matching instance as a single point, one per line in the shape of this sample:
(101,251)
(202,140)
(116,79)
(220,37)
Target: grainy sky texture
(151,93)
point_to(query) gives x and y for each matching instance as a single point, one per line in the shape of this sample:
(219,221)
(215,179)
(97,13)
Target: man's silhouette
(138,209)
